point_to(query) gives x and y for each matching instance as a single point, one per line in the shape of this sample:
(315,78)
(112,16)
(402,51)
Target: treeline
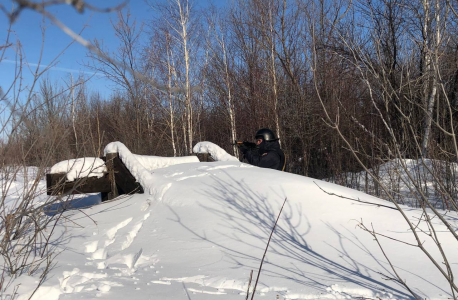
(344,84)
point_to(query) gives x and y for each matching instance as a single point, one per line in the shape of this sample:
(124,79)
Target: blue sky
(28,30)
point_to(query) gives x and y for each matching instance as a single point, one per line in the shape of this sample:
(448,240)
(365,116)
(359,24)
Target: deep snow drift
(202,228)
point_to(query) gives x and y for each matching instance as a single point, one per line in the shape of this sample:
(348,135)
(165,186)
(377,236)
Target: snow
(216,152)
(401,175)
(203,227)
(157,162)
(80,168)
(148,162)
(140,166)
(17,183)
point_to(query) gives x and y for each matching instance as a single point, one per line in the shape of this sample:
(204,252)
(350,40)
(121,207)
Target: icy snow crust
(204,227)
(80,168)
(215,151)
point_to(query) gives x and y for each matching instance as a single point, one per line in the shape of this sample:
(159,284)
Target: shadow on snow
(239,205)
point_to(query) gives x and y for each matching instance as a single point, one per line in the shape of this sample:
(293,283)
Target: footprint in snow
(101,252)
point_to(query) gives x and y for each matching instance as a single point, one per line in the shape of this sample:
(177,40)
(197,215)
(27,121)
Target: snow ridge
(157,162)
(215,151)
(140,166)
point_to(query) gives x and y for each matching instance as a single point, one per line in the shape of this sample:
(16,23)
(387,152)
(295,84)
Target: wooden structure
(204,157)
(116,181)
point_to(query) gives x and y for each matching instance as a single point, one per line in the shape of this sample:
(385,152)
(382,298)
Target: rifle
(249,145)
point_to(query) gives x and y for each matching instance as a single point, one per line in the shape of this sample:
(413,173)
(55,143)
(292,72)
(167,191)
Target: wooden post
(125,181)
(111,175)
(205,157)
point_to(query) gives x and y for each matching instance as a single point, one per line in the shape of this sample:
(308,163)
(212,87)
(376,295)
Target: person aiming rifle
(246,144)
(265,153)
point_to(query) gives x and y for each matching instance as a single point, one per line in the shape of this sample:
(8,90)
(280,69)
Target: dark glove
(243,148)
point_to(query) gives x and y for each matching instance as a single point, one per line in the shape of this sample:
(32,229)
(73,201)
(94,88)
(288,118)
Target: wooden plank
(104,196)
(56,185)
(125,181)
(205,157)
(49,183)
(111,175)
(117,181)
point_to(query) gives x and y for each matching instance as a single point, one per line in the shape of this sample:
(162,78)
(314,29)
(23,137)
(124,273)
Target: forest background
(346,85)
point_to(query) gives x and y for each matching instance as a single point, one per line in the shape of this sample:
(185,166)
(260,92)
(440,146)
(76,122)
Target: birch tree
(432,40)
(271,38)
(171,73)
(177,16)
(220,54)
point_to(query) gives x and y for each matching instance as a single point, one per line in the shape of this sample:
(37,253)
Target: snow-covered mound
(80,168)
(217,153)
(205,226)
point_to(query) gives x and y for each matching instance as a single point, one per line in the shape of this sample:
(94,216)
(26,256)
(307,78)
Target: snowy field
(200,228)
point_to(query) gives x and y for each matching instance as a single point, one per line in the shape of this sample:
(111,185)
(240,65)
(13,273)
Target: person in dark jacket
(268,154)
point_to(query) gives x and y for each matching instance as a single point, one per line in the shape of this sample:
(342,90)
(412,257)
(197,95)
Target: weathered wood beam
(117,181)
(205,157)
(125,181)
(111,175)
(57,185)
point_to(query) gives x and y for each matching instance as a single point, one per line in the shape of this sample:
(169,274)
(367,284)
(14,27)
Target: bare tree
(221,56)
(178,16)
(128,35)
(367,58)
(432,40)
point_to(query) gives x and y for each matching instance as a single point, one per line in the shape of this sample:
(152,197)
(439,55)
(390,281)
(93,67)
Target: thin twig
(249,285)
(88,216)
(389,261)
(352,199)
(265,251)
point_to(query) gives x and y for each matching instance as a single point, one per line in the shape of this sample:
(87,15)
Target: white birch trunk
(432,53)
(230,103)
(274,75)
(184,19)
(72,91)
(171,109)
